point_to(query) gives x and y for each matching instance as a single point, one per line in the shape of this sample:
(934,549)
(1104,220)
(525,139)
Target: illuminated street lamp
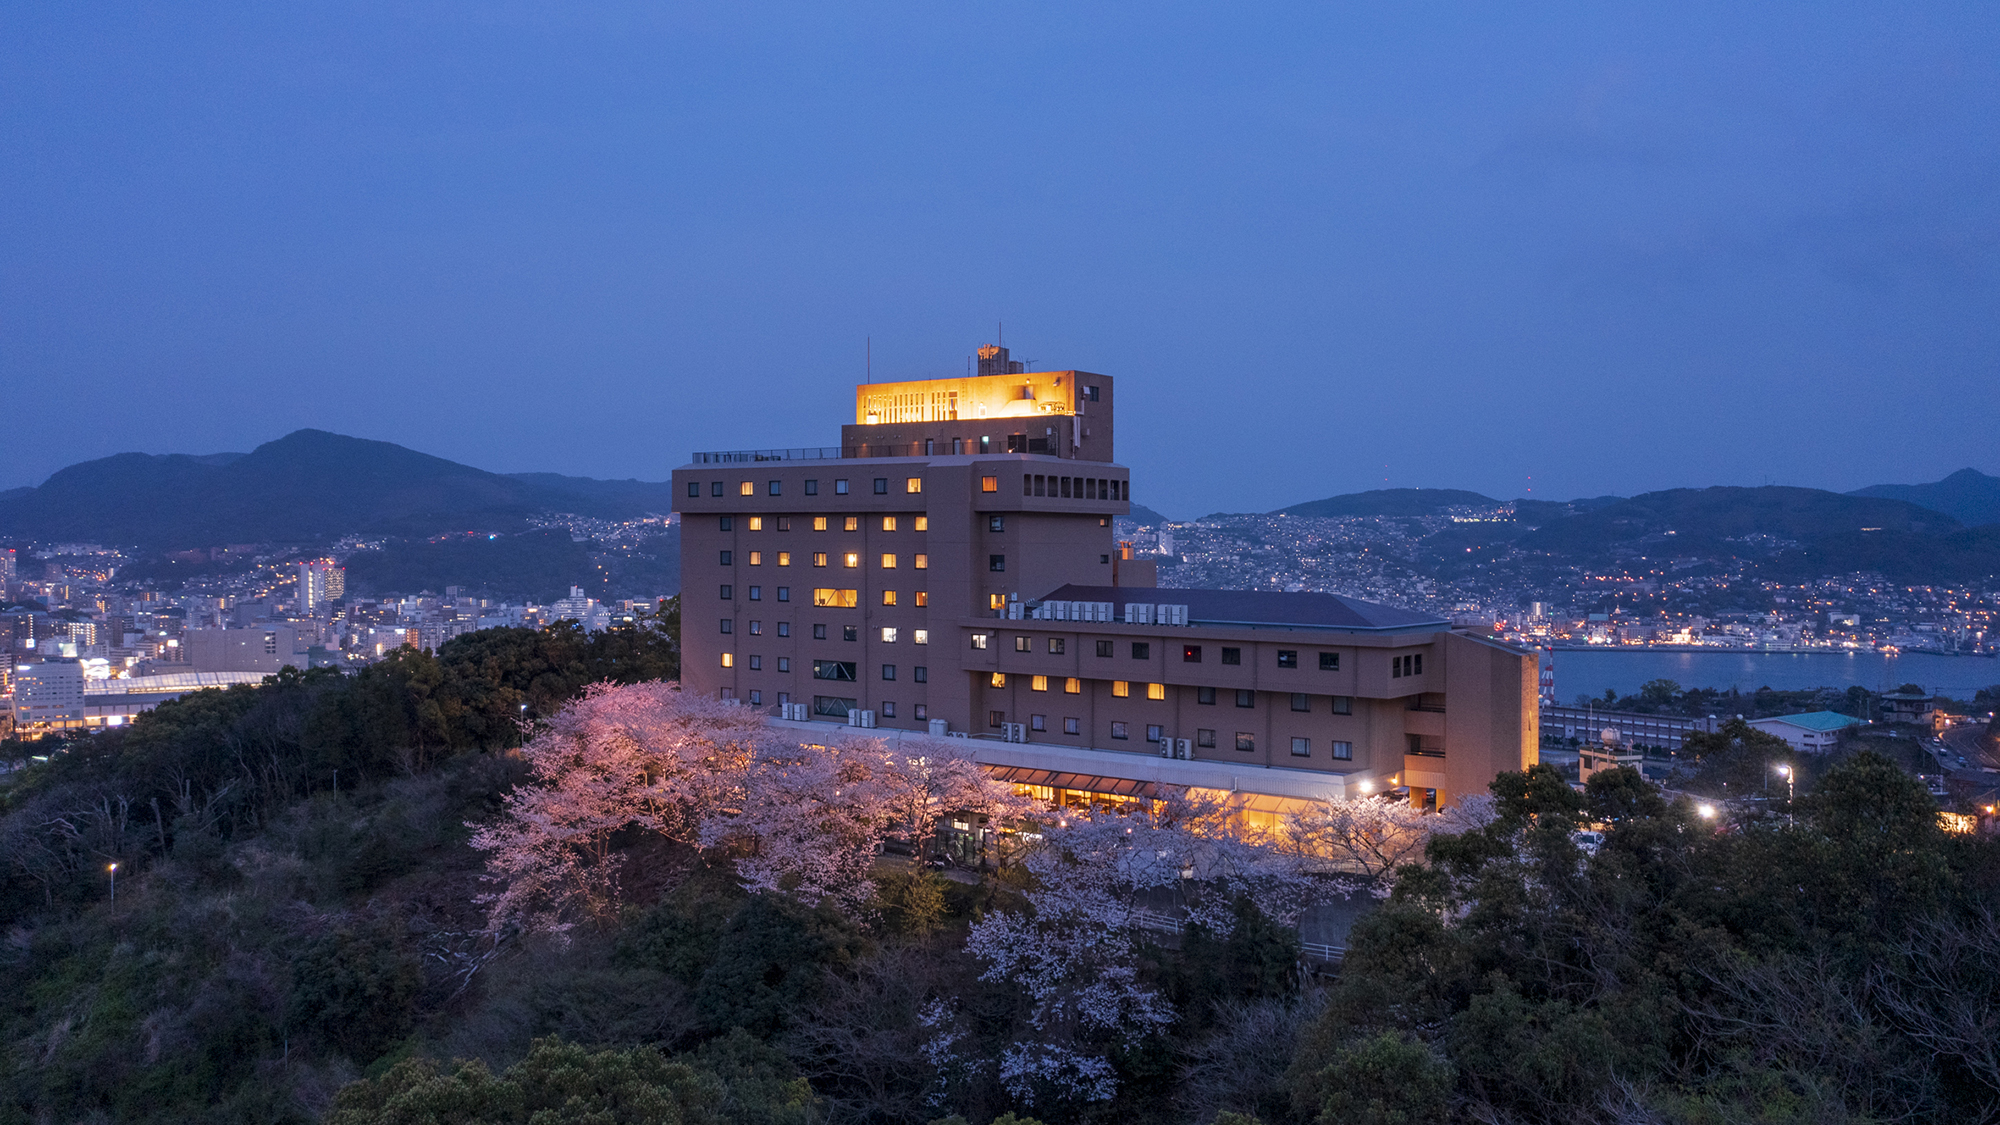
(1790,789)
(1707,812)
(114,883)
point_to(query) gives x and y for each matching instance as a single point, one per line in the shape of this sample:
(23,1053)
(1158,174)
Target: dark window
(1142,650)
(828,706)
(756,628)
(920,673)
(834,670)
(819,632)
(850,632)
(756,698)
(756,664)
(812,488)
(784,523)
(995,718)
(1395,667)
(1104,558)
(694,488)
(1090,394)
(996,563)
(1343,705)
(1232,656)
(888,671)
(840,486)
(1056,645)
(1154,733)
(881,486)
(922,712)
(1204,737)
(1191,654)
(888,709)
(728,625)
(775,488)
(1246,698)
(1104,648)
(996,523)
(1072,726)
(1118,731)
(1246,741)
(1417,664)
(1288,658)
(715,488)
(728,523)
(784,595)
(756,593)
(1038,722)
(784,627)
(1302,748)
(728,592)
(1343,751)
(1020,644)
(1301,701)
(1204,695)
(784,664)
(1329,662)
(728,558)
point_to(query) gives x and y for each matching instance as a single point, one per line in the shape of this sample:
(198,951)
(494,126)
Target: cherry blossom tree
(810,821)
(1372,837)
(634,756)
(1099,878)
(923,780)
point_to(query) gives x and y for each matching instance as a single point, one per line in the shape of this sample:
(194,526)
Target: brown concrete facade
(880,583)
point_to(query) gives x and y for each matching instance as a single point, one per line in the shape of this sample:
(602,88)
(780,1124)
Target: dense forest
(304,928)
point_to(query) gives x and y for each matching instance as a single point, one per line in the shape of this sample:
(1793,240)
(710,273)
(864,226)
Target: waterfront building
(1812,732)
(950,568)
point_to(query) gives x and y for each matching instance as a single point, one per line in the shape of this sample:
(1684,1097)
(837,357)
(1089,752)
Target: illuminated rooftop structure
(1003,409)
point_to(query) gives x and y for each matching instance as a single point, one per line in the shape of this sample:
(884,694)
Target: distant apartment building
(265,649)
(582,609)
(1813,732)
(48,697)
(321,581)
(950,568)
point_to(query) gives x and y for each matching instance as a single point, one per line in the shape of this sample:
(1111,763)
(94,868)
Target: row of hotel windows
(1411,665)
(889,633)
(1071,488)
(825,597)
(850,559)
(1246,741)
(821,523)
(832,707)
(911,485)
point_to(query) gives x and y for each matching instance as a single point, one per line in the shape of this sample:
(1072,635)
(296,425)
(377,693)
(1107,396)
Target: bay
(1623,670)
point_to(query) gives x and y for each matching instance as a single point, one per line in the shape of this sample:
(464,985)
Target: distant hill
(1968,496)
(1391,502)
(305,487)
(1145,516)
(1800,531)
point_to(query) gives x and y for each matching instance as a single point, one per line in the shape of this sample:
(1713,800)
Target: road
(1970,740)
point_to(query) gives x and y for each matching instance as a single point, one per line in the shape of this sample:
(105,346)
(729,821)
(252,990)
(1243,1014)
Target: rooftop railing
(826,452)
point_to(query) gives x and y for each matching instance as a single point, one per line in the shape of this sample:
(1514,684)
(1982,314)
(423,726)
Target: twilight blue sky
(1324,247)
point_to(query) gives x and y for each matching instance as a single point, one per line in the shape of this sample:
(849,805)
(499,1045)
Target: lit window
(851,559)
(1056,645)
(1302,747)
(1121,689)
(888,560)
(979,640)
(819,558)
(888,523)
(756,523)
(888,597)
(913,484)
(999,679)
(989,484)
(889,634)
(921,523)
(923,597)
(1343,751)
(756,558)
(1073,685)
(819,523)
(746,489)
(836,599)
(921,562)
(1039,683)
(1020,644)
(1156,692)
(851,523)
(996,601)
(920,636)
(729,660)
(784,558)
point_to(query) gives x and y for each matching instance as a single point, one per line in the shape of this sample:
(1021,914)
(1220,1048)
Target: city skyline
(1608,251)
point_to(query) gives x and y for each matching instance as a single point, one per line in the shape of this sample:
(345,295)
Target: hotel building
(950,568)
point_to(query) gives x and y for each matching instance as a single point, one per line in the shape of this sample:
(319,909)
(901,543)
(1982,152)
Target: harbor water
(1590,672)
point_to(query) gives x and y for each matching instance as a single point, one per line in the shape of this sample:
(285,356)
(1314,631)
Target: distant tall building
(6,567)
(321,581)
(48,696)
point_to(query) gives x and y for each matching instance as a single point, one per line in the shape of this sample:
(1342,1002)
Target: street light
(1707,812)
(1790,789)
(114,883)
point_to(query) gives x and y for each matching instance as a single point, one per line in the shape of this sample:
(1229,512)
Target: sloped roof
(1263,609)
(1816,720)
